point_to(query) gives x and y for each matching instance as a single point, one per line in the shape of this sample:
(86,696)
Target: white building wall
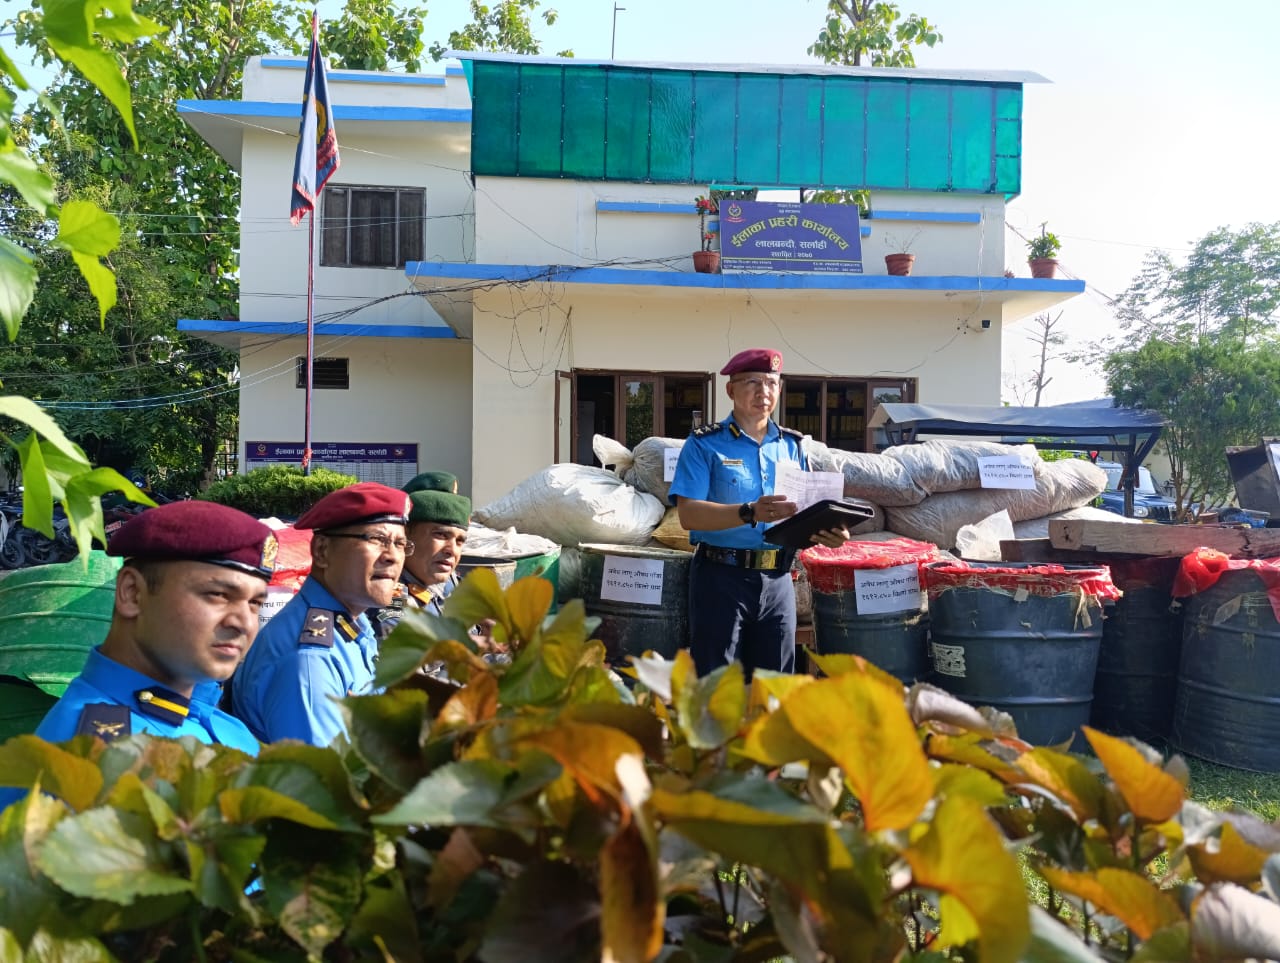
(565,327)
(402,390)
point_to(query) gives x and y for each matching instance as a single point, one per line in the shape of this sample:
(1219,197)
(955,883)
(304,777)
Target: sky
(1157,126)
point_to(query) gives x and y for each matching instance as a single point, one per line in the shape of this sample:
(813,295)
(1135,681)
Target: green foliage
(280,490)
(1214,391)
(503,27)
(872,29)
(1043,245)
(541,810)
(372,35)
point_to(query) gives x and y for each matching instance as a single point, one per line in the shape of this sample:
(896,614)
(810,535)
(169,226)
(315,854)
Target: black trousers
(743,614)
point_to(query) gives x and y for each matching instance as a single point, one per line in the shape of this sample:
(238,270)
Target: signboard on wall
(762,236)
(391,463)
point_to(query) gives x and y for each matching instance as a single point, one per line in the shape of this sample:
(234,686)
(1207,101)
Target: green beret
(443,507)
(433,481)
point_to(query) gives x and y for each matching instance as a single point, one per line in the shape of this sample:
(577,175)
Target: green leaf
(1170,945)
(124,25)
(32,415)
(256,804)
(67,25)
(47,947)
(35,186)
(85,228)
(709,711)
(313,898)
(526,926)
(386,731)
(82,500)
(406,647)
(311,776)
(101,280)
(37,492)
(475,792)
(386,918)
(1053,942)
(478,597)
(17,285)
(26,897)
(10,70)
(109,855)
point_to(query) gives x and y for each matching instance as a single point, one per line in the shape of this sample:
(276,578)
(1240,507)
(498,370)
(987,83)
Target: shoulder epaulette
(798,435)
(705,430)
(317,628)
(163,704)
(106,720)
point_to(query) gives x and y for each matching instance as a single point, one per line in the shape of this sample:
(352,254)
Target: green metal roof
(766,127)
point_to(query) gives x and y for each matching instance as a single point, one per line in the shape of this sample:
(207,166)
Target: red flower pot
(899,264)
(1043,267)
(706,262)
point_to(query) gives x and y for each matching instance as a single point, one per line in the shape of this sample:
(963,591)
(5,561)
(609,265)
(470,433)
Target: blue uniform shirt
(722,463)
(286,685)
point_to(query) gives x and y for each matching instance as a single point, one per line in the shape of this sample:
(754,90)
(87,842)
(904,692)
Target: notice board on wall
(391,463)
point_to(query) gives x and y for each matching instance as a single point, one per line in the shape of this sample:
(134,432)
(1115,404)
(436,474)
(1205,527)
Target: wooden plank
(1043,550)
(1162,540)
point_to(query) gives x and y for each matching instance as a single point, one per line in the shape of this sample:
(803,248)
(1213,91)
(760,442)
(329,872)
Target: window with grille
(325,373)
(372,226)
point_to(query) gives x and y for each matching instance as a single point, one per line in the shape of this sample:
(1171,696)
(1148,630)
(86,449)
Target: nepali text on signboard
(762,236)
(392,463)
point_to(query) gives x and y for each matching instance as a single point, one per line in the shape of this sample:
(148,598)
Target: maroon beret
(197,532)
(754,359)
(363,503)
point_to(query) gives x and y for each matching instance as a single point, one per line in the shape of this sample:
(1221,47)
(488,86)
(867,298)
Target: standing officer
(742,602)
(186,611)
(321,647)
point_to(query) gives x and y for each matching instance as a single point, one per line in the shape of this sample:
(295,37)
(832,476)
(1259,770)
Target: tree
(874,30)
(373,35)
(1215,391)
(505,26)
(1044,336)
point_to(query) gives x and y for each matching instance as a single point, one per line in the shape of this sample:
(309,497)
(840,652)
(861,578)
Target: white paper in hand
(807,487)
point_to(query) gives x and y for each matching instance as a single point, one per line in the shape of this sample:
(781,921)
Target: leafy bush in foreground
(279,490)
(542,811)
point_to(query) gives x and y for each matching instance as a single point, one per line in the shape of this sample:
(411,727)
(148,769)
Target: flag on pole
(317,140)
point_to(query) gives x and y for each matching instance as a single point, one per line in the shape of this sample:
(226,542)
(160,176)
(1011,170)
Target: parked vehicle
(1147,501)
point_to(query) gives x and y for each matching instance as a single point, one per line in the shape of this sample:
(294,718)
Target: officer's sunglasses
(384,542)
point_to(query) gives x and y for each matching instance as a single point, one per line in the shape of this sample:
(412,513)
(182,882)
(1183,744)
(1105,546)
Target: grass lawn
(1221,788)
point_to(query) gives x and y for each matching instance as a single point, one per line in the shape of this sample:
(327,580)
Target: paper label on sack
(669,458)
(1006,471)
(881,590)
(635,580)
(807,487)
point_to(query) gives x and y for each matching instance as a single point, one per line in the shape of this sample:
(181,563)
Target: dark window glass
(325,373)
(372,226)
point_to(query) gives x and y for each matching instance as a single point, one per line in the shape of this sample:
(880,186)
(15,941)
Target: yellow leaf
(863,727)
(588,752)
(772,741)
(963,856)
(632,913)
(1228,859)
(1151,793)
(528,601)
(953,780)
(1132,899)
(839,664)
(474,703)
(1067,778)
(968,750)
(958,925)
(26,760)
(767,686)
(478,597)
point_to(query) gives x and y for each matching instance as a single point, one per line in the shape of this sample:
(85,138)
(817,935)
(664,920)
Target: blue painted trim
(355,77)
(663,207)
(323,329)
(272,109)
(749,281)
(936,217)
(455,71)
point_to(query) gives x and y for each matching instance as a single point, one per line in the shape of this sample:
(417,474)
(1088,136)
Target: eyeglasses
(385,542)
(759,384)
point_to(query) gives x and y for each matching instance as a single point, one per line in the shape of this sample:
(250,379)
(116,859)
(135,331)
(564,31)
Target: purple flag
(317,140)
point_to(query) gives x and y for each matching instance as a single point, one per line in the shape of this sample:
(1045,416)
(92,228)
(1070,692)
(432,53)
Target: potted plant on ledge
(1040,254)
(900,263)
(705,260)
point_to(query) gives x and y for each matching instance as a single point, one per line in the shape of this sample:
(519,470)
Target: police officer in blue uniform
(186,610)
(741,599)
(321,646)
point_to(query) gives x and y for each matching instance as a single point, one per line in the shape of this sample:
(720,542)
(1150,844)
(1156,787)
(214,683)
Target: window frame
(330,365)
(402,238)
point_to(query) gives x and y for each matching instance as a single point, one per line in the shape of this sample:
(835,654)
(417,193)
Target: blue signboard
(392,463)
(761,236)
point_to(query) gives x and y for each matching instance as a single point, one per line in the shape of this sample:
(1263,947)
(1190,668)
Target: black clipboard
(795,532)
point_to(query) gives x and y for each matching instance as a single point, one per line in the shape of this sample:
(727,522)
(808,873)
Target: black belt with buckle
(760,559)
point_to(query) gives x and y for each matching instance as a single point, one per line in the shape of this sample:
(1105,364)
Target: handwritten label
(669,458)
(1006,471)
(880,590)
(635,580)
(807,487)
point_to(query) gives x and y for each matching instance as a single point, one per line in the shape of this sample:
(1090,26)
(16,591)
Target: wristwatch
(747,512)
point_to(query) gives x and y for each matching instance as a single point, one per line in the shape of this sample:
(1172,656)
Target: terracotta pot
(706,262)
(1043,267)
(899,264)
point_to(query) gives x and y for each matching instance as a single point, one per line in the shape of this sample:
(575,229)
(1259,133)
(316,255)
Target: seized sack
(952,466)
(572,504)
(880,480)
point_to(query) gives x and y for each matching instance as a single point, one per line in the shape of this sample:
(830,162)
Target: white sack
(612,453)
(508,543)
(1060,485)
(572,504)
(952,466)
(866,475)
(980,542)
(648,467)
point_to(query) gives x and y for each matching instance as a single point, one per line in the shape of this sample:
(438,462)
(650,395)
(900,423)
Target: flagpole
(311,338)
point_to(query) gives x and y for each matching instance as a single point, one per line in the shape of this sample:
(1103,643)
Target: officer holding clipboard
(742,602)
